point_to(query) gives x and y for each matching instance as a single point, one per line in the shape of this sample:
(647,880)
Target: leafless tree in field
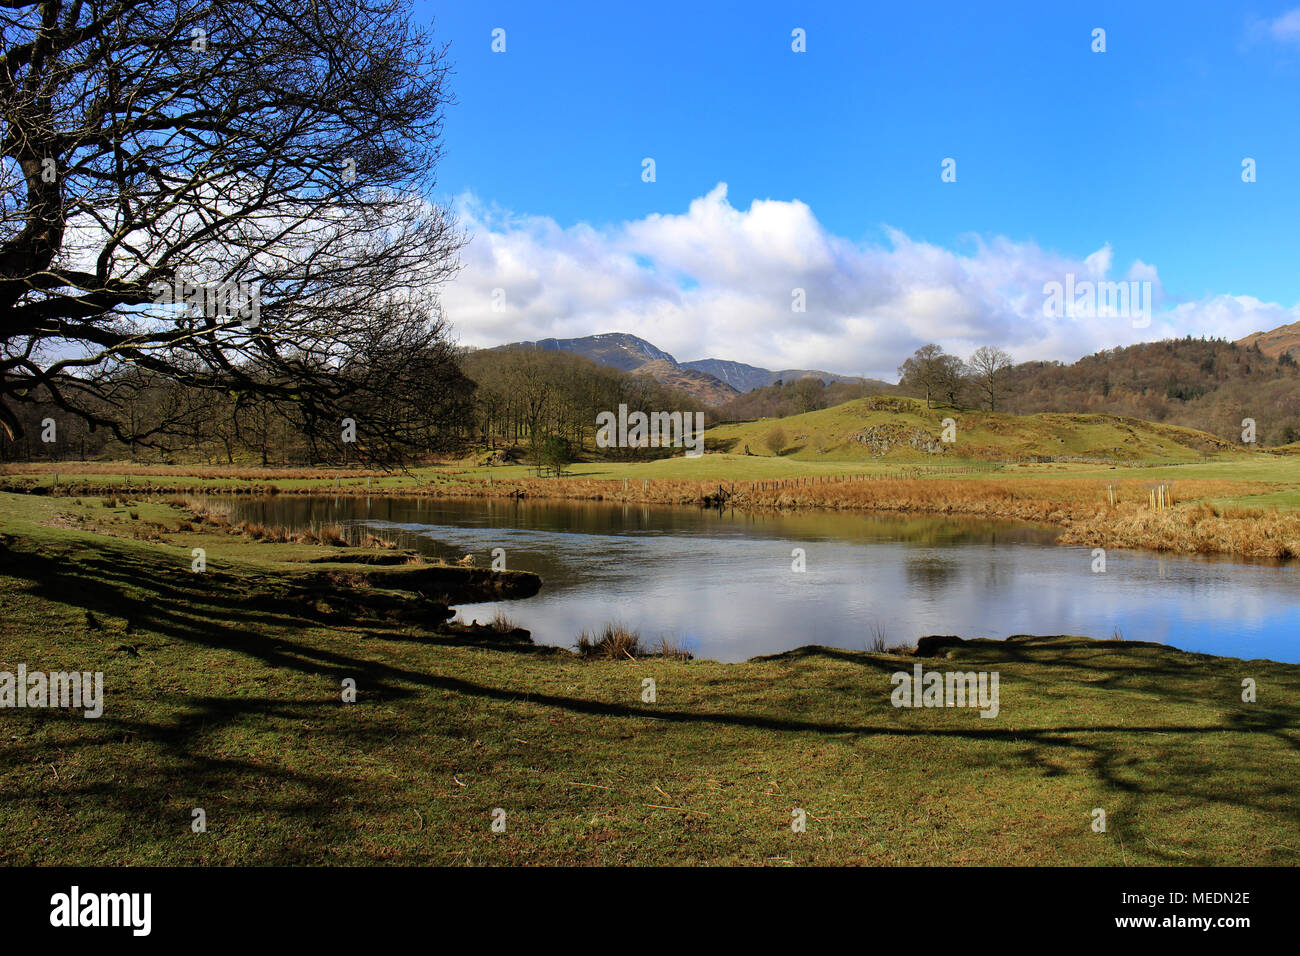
(988,370)
(158,153)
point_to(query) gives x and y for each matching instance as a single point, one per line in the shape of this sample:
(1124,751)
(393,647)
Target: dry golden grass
(333,535)
(1079,505)
(181,471)
(1055,500)
(1193,529)
(206,511)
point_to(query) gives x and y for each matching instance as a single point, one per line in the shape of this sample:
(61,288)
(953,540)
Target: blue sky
(1060,151)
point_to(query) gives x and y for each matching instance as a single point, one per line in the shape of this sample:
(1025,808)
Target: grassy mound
(903,429)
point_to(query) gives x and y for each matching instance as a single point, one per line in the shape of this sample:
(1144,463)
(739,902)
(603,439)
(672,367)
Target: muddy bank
(444,584)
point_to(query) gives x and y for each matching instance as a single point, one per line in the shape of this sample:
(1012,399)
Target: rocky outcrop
(879,439)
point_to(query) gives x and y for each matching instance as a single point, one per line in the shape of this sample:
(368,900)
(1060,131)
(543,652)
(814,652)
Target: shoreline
(232,681)
(1070,505)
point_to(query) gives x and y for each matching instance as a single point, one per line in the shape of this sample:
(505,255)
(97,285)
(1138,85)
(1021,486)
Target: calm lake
(722,582)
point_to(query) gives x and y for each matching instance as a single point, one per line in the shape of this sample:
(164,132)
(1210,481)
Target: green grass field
(888,424)
(824,442)
(222,692)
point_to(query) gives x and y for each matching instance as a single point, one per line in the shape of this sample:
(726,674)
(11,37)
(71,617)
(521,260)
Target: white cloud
(1098,263)
(1283,30)
(1286,28)
(717,281)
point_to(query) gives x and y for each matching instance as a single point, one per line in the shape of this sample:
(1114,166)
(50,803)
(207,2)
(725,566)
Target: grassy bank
(1237,503)
(223,691)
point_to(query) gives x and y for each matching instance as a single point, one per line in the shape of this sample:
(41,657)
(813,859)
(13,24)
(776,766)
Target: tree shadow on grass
(225,612)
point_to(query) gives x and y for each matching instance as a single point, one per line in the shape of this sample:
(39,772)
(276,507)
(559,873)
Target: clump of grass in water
(320,534)
(204,511)
(332,534)
(261,532)
(672,649)
(618,642)
(220,514)
(615,642)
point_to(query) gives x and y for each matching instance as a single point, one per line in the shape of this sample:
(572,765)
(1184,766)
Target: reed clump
(332,535)
(671,649)
(206,511)
(614,641)
(618,642)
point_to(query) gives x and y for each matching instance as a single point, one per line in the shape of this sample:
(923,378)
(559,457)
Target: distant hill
(628,353)
(1283,339)
(746,378)
(617,349)
(714,381)
(705,387)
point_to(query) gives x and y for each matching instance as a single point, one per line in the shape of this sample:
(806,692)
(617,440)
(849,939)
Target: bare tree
(160,158)
(924,371)
(988,370)
(950,378)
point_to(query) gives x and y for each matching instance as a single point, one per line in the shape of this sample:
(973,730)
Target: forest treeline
(508,400)
(1208,384)
(782,399)
(524,394)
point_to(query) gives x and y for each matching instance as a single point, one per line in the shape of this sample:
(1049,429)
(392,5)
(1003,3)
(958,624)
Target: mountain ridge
(746,378)
(713,381)
(1275,342)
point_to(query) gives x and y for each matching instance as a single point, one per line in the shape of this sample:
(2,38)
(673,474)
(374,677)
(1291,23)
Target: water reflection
(930,571)
(723,580)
